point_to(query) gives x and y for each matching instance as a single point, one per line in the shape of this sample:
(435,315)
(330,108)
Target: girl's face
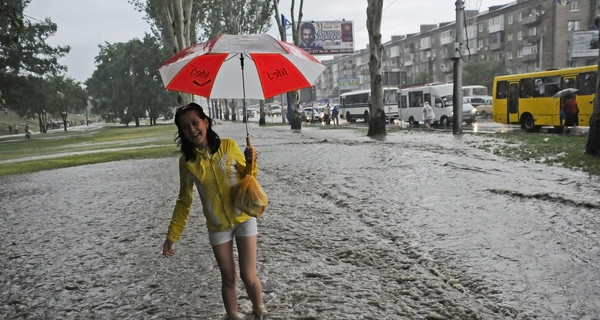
(194,128)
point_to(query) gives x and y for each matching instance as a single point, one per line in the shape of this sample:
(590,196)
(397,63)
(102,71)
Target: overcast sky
(84,24)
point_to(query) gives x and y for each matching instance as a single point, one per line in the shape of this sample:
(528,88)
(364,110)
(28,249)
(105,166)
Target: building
(525,35)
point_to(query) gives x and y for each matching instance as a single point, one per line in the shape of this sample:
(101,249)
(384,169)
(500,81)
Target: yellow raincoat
(213,175)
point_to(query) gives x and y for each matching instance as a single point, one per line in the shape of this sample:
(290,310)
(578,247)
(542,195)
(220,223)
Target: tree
(25,58)
(294,96)
(64,95)
(377,114)
(175,23)
(483,72)
(593,144)
(126,83)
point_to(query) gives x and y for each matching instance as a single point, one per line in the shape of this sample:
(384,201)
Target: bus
(439,96)
(355,104)
(527,98)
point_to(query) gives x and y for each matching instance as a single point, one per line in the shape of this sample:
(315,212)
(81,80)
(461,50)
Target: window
(573,25)
(532,31)
(520,35)
(509,55)
(586,83)
(509,37)
(480,25)
(502,89)
(510,19)
(574,5)
(525,88)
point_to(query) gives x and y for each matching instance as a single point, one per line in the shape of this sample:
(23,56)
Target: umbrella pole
(244,94)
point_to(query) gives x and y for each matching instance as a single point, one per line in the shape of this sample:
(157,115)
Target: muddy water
(418,225)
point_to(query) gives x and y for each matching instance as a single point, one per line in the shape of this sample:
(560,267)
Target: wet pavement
(418,225)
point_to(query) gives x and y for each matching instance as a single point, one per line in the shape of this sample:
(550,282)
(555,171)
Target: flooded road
(419,225)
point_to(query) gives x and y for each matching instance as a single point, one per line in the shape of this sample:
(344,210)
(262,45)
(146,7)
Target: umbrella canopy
(253,66)
(565,92)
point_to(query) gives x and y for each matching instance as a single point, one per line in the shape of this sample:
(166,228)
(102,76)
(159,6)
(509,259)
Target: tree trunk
(593,144)
(376,113)
(294,96)
(295,122)
(262,121)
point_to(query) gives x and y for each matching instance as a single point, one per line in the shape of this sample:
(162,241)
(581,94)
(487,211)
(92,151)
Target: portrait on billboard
(308,35)
(327,37)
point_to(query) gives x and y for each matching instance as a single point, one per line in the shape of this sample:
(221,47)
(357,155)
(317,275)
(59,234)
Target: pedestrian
(428,115)
(328,114)
(27,132)
(571,111)
(336,115)
(214,165)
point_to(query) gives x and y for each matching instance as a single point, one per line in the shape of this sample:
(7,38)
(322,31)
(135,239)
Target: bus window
(568,83)
(404,102)
(546,86)
(415,99)
(428,97)
(586,83)
(526,86)
(502,89)
(389,97)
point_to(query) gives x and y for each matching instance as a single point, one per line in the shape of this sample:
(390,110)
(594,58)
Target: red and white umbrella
(255,66)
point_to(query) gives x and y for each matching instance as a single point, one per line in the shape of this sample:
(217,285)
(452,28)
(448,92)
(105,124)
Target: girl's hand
(168,250)
(251,155)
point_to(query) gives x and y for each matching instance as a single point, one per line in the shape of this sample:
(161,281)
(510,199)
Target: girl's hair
(187,148)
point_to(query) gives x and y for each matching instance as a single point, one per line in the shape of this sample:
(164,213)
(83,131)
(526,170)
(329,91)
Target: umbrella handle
(249,164)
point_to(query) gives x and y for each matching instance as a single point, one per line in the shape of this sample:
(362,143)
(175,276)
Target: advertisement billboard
(327,37)
(584,44)
(349,84)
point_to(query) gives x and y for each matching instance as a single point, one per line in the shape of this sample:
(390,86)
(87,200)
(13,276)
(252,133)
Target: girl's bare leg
(224,256)
(247,251)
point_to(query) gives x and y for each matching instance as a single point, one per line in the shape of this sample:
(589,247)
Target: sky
(85,24)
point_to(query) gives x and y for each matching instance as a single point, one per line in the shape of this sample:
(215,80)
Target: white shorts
(246,229)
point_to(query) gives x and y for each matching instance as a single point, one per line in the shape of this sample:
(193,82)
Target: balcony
(496,46)
(533,18)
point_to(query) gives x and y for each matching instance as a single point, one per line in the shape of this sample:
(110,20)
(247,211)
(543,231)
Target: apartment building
(525,35)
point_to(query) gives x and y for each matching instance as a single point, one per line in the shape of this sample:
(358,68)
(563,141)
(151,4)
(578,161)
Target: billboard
(349,84)
(327,37)
(584,44)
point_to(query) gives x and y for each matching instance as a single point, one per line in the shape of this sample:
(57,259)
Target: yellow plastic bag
(248,194)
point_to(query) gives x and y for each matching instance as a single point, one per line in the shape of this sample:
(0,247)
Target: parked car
(484,110)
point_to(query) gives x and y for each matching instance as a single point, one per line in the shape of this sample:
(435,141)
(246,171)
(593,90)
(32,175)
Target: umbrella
(255,66)
(565,92)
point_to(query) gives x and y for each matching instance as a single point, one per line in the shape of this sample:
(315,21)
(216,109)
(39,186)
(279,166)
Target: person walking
(336,115)
(428,115)
(571,111)
(214,166)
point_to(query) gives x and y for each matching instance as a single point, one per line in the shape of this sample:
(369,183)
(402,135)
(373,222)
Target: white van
(439,97)
(474,90)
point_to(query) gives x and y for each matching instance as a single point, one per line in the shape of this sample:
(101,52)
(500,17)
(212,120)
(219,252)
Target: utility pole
(457,117)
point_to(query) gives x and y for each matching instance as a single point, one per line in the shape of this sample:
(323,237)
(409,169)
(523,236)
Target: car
(477,100)
(484,110)
(469,114)
(307,114)
(274,110)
